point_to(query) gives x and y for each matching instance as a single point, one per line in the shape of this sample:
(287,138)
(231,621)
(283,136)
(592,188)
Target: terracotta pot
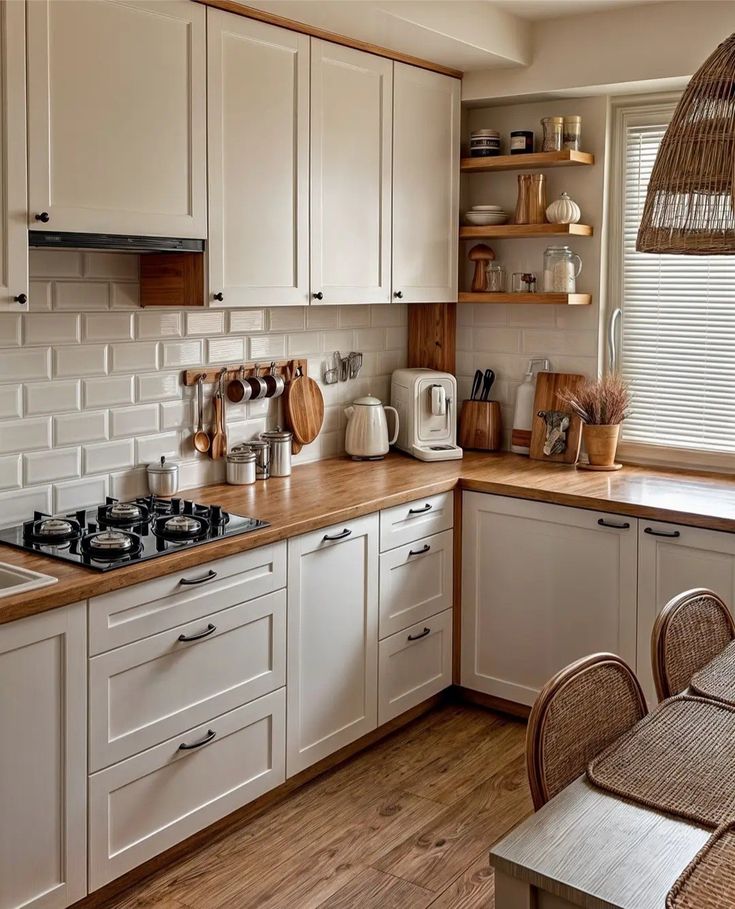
(601,443)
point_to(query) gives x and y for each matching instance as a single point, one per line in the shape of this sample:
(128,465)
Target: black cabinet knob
(43,216)
(398,294)
(318,295)
(220,296)
(22,299)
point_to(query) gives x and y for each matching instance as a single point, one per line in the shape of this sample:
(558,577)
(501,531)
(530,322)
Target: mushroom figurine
(480,255)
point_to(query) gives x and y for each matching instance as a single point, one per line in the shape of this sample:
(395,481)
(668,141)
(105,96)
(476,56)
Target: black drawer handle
(186,638)
(337,536)
(423,510)
(603,523)
(209,576)
(413,552)
(662,533)
(205,741)
(416,637)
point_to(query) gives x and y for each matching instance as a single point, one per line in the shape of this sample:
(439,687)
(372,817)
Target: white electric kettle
(367,429)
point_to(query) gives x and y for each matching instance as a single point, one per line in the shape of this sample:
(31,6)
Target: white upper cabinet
(425,185)
(351,135)
(13,211)
(258,92)
(117,116)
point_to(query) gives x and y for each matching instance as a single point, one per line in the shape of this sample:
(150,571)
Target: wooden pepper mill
(480,255)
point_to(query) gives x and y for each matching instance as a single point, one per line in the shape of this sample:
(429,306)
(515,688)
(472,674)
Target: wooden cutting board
(304,410)
(547,401)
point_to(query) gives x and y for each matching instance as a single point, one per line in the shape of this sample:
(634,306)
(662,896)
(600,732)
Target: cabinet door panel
(542,585)
(258,91)
(425,185)
(332,661)
(669,565)
(117,116)
(43,760)
(351,135)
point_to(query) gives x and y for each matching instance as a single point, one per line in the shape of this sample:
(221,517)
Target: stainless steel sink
(21,580)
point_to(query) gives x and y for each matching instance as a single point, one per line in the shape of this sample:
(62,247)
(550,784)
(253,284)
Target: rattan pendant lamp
(690,204)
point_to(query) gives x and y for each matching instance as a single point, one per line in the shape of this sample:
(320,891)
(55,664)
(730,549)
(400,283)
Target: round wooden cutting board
(304,410)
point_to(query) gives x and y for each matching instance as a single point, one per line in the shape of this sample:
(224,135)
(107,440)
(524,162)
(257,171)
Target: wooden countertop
(329,492)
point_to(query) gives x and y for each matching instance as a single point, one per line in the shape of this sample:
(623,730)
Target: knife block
(481,425)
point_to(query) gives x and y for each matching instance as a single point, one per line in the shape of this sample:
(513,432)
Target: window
(678,327)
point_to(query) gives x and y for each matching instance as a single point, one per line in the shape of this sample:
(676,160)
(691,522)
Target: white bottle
(520,440)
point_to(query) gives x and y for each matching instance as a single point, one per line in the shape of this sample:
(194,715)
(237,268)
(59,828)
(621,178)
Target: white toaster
(426,401)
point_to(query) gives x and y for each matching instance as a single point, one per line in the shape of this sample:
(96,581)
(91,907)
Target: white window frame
(631,111)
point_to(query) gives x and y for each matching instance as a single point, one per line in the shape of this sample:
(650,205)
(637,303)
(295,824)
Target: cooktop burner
(118,533)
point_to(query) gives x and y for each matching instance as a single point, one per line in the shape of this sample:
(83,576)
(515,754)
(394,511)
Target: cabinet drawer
(415,582)
(148,803)
(136,612)
(414,520)
(146,692)
(410,671)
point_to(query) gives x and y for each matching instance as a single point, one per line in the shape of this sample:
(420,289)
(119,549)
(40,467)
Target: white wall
(504,337)
(90,383)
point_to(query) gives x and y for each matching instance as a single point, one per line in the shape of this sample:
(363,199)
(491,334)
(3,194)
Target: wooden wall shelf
(564,158)
(556,299)
(524,231)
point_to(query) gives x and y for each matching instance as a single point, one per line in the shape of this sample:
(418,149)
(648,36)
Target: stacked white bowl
(485,215)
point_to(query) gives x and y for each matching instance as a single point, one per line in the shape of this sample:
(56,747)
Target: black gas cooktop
(120,533)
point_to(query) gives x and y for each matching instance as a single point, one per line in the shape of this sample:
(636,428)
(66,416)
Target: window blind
(678,325)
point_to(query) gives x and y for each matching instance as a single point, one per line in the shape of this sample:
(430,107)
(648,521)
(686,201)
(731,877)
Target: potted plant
(602,405)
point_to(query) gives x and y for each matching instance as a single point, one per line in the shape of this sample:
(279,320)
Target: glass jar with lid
(495,278)
(553,133)
(561,269)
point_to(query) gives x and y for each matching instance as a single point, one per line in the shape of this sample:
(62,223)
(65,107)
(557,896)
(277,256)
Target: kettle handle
(395,412)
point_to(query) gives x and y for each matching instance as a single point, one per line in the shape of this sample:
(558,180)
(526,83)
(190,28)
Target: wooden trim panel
(240,9)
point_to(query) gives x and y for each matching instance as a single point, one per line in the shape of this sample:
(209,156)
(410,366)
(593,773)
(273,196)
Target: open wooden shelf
(557,299)
(524,231)
(564,158)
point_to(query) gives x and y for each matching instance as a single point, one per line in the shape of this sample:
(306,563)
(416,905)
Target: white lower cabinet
(43,760)
(332,677)
(146,804)
(414,664)
(542,585)
(672,559)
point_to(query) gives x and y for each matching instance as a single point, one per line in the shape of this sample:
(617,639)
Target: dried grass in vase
(603,402)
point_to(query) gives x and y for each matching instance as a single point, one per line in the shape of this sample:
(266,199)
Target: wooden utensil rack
(285,368)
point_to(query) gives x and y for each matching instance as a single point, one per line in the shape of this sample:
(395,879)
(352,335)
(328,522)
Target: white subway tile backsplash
(392,314)
(396,338)
(201,472)
(52,397)
(134,357)
(9,330)
(267,347)
(105,392)
(343,341)
(125,296)
(226,350)
(40,295)
(370,339)
(322,317)
(75,296)
(71,361)
(129,484)
(245,431)
(153,325)
(16,506)
(182,353)
(158,386)
(205,323)
(51,328)
(127,422)
(48,466)
(70,429)
(153,448)
(354,316)
(108,456)
(287,318)
(55,263)
(301,343)
(540,343)
(177,415)
(107,326)
(73,494)
(245,321)
(25,364)
(11,401)
(10,472)
(113,265)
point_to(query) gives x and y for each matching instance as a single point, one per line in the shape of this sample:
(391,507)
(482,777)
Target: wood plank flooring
(405,825)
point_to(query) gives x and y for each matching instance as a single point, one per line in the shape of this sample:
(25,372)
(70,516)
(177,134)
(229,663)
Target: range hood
(46,239)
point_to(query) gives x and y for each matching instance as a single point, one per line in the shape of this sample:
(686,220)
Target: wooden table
(588,848)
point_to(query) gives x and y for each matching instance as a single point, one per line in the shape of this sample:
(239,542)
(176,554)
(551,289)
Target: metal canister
(280,443)
(262,451)
(241,467)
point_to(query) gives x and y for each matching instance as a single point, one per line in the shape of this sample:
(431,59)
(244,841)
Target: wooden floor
(408,823)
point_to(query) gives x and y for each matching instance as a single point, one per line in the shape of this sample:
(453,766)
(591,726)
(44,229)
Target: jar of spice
(561,269)
(484,143)
(521,142)
(553,133)
(572,132)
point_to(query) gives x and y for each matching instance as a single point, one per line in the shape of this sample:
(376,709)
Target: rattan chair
(690,631)
(578,713)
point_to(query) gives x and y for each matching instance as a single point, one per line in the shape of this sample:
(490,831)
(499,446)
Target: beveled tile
(205,323)
(105,392)
(245,321)
(90,426)
(73,494)
(52,397)
(177,415)
(125,296)
(11,401)
(31,363)
(152,324)
(131,421)
(182,353)
(16,505)
(106,456)
(267,347)
(76,296)
(54,263)
(51,328)
(134,357)
(48,466)
(107,326)
(112,265)
(151,448)
(10,329)
(158,386)
(10,472)
(226,350)
(90,360)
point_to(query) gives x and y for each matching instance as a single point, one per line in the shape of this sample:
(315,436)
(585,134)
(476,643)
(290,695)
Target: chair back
(578,713)
(691,630)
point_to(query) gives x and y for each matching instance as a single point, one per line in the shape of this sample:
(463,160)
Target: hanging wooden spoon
(202,441)
(219,442)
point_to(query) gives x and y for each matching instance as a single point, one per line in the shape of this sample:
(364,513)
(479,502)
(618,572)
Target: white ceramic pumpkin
(563,211)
